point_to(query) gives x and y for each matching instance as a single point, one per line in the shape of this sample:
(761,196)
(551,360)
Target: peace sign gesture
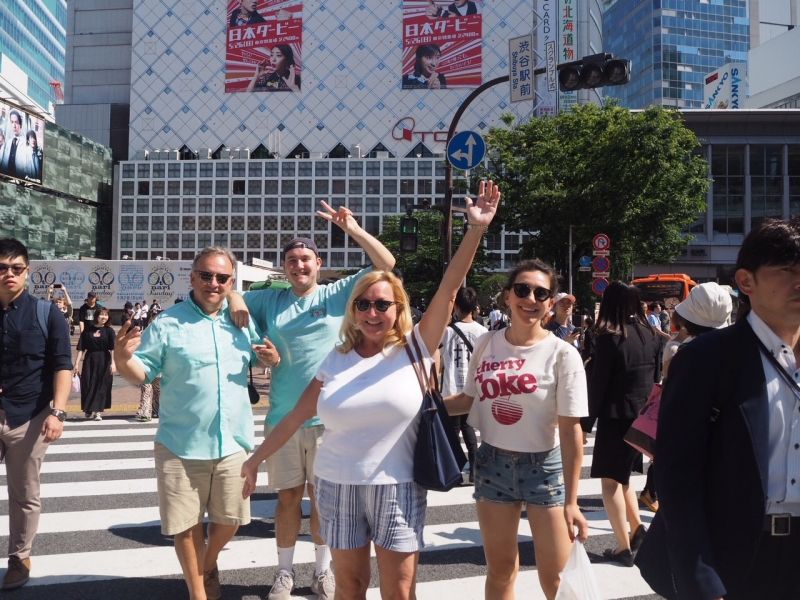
(343,217)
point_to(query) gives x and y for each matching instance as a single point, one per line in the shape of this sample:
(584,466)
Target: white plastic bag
(76,383)
(577,579)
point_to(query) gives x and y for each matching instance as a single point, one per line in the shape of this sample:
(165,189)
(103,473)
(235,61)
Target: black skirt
(613,458)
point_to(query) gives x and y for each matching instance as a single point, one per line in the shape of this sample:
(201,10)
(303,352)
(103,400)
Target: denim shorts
(390,515)
(508,477)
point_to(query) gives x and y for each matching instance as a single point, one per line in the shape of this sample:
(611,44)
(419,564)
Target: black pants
(773,573)
(459,424)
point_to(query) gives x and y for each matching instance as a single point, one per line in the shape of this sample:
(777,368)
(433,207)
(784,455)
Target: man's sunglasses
(523,290)
(15,269)
(380,305)
(222,278)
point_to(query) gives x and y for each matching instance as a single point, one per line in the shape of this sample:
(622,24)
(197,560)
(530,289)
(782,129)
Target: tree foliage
(638,177)
(422,270)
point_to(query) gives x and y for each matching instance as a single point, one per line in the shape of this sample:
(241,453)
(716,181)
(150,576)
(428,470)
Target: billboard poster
(546,32)
(442,44)
(114,282)
(569,46)
(725,87)
(21,144)
(263,46)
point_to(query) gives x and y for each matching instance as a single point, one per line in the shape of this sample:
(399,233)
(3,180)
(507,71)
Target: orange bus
(668,289)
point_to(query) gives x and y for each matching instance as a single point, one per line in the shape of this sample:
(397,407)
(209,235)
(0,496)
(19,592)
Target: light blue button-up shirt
(203,361)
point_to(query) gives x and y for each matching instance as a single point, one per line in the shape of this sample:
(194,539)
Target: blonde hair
(351,335)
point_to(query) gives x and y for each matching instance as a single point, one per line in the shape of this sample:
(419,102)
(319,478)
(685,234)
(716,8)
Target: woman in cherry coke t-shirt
(526,392)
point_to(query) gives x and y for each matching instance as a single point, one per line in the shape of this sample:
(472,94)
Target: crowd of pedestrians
(345,404)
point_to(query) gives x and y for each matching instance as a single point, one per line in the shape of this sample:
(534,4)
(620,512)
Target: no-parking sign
(599,285)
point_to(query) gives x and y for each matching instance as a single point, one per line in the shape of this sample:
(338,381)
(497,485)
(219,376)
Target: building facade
(32,49)
(673,45)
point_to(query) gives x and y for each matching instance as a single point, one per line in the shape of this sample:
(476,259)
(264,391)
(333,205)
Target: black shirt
(87,314)
(28,361)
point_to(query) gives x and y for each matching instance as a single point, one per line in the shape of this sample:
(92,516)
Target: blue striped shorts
(390,515)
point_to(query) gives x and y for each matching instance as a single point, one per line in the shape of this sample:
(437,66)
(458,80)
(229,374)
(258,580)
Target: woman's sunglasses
(222,278)
(523,290)
(380,305)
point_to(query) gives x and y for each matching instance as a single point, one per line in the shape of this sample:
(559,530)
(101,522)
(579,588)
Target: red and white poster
(442,44)
(264,46)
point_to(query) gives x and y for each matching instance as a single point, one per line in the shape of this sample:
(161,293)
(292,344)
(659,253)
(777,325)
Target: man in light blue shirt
(206,423)
(300,327)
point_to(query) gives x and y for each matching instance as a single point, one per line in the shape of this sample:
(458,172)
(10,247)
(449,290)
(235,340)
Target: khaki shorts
(293,465)
(188,488)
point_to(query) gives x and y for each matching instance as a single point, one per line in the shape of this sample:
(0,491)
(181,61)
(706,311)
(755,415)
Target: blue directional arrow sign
(466,150)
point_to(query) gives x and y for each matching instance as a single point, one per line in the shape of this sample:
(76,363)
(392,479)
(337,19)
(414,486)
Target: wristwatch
(59,414)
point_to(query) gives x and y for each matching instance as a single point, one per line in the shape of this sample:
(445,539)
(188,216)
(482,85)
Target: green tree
(636,176)
(422,270)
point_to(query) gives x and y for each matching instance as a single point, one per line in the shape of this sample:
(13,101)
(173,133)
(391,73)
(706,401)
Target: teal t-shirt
(304,330)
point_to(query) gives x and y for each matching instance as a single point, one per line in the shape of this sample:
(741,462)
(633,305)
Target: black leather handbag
(438,456)
(251,390)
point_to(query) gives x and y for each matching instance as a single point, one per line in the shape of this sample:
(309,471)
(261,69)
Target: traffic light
(409,232)
(593,71)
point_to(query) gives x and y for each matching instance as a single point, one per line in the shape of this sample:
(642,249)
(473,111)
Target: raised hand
(267,353)
(433,82)
(482,211)
(342,217)
(128,340)
(290,80)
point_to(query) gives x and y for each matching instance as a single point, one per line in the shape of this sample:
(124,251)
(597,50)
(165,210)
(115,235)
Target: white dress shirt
(783,479)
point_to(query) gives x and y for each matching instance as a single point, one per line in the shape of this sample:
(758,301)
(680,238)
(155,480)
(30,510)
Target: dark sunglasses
(222,278)
(380,305)
(523,290)
(15,269)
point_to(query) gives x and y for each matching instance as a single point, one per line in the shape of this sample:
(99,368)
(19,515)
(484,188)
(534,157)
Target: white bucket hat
(708,305)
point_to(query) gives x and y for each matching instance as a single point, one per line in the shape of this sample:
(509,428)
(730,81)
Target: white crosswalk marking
(99,534)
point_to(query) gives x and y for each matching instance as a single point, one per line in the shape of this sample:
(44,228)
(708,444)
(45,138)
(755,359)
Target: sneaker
(212,585)
(282,587)
(646,499)
(18,574)
(87,416)
(323,585)
(98,417)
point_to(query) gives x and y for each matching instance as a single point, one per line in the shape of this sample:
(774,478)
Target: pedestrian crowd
(345,400)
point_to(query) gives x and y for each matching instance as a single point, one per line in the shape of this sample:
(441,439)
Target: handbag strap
(431,380)
(462,336)
(251,374)
(414,364)
(778,367)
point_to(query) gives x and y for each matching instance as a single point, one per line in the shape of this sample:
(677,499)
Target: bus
(668,289)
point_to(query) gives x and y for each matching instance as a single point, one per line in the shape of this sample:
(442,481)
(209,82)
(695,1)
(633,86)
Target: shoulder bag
(438,456)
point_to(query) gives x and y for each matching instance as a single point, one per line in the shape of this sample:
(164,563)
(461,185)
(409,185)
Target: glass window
(204,206)
(143,205)
(174,188)
(188,222)
(253,240)
(373,168)
(156,240)
(203,240)
(128,170)
(271,169)
(304,186)
(407,168)
(237,205)
(237,223)
(126,240)
(187,240)
(287,223)
(271,223)
(220,205)
(190,170)
(425,167)
(173,223)
(390,205)
(288,205)
(221,187)
(238,186)
(172,240)
(157,223)
(373,186)
(287,169)
(339,168)
(158,170)
(254,205)
(142,223)
(304,223)
(322,168)
(206,169)
(390,167)
(204,223)
(221,239)
(254,169)
(143,171)
(338,186)
(127,205)
(254,223)
(304,205)
(356,186)
(189,187)
(270,205)
(321,186)
(354,204)
(356,168)
(174,170)
(143,188)
(158,188)
(222,169)
(337,259)
(206,187)
(220,222)
(390,186)
(287,186)
(406,186)
(373,205)
(142,241)
(157,205)
(254,187)
(304,169)
(127,188)
(126,223)
(238,169)
(372,223)
(174,205)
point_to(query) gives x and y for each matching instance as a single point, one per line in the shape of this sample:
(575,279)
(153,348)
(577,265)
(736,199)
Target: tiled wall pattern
(351,80)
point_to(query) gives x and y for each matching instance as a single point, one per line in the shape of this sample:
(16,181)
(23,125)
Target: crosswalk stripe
(140,555)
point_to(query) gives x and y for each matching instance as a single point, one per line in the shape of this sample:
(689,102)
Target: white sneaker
(98,417)
(323,585)
(282,587)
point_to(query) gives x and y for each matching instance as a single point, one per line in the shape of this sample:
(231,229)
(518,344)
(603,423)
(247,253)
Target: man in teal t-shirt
(300,327)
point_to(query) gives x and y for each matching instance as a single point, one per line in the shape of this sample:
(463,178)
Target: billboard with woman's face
(442,44)
(21,144)
(263,46)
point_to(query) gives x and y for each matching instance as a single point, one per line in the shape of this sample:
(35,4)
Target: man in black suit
(728,448)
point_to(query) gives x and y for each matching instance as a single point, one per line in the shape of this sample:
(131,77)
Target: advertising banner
(546,31)
(21,144)
(520,72)
(569,46)
(725,87)
(264,41)
(115,282)
(442,44)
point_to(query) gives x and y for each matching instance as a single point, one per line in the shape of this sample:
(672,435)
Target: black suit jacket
(712,476)
(621,373)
